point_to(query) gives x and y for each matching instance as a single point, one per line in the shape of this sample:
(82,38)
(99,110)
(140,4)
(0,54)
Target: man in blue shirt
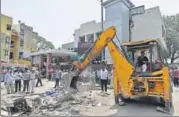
(8,81)
(57,76)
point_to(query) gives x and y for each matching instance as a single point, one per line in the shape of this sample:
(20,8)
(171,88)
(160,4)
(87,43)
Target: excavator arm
(70,80)
(95,50)
(123,70)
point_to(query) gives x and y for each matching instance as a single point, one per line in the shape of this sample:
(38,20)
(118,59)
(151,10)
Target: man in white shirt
(8,81)
(38,76)
(17,77)
(93,80)
(104,79)
(32,80)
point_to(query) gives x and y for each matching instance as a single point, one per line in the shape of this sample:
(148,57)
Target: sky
(56,20)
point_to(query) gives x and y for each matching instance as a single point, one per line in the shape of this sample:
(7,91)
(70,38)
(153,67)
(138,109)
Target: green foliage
(172,35)
(43,44)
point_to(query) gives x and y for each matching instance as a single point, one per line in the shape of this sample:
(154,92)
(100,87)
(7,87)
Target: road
(133,108)
(105,104)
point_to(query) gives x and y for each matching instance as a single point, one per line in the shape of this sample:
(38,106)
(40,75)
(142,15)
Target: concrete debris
(53,102)
(99,104)
(75,110)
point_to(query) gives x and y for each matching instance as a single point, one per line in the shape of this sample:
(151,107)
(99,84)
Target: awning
(74,57)
(55,52)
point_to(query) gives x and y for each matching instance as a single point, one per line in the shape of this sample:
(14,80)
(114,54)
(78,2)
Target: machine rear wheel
(120,99)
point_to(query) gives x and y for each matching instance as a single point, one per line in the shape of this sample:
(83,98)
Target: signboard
(83,46)
(138,10)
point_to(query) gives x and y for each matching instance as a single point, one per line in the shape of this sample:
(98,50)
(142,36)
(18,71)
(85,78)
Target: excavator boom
(70,80)
(95,50)
(123,69)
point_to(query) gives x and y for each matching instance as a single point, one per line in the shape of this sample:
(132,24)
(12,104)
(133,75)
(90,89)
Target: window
(82,39)
(90,38)
(20,55)
(11,55)
(98,34)
(21,43)
(7,39)
(163,31)
(22,32)
(12,44)
(5,52)
(9,27)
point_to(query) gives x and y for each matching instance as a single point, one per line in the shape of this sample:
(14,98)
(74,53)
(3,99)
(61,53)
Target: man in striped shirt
(176,76)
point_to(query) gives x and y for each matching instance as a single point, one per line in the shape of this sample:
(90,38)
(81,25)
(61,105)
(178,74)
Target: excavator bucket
(69,81)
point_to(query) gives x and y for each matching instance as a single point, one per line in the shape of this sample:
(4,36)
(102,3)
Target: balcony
(15,33)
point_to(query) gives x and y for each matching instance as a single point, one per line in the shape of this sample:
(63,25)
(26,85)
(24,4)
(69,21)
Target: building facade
(132,23)
(27,40)
(85,36)
(69,46)
(22,43)
(14,51)
(152,20)
(6,27)
(88,32)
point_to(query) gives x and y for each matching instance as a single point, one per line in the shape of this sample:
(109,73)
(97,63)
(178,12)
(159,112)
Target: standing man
(8,81)
(26,79)
(92,79)
(50,71)
(57,77)
(32,80)
(176,76)
(17,77)
(104,80)
(38,76)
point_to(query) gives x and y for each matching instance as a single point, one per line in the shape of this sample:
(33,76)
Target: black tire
(116,100)
(162,101)
(121,98)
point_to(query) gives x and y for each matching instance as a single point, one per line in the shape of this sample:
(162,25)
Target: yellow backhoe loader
(128,82)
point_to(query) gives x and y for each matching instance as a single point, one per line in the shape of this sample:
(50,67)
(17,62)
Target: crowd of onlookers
(17,80)
(26,80)
(101,76)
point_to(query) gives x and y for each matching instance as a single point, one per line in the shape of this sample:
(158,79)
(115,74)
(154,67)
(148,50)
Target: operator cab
(147,56)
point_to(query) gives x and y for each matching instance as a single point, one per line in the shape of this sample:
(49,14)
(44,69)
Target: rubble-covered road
(85,103)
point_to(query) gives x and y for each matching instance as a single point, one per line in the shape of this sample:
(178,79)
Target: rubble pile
(52,102)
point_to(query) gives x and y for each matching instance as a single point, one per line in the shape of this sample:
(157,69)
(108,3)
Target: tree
(172,35)
(43,44)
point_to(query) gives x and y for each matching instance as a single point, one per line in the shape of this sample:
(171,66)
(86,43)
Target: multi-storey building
(27,40)
(14,51)
(85,36)
(69,46)
(132,23)
(129,21)
(6,25)
(22,44)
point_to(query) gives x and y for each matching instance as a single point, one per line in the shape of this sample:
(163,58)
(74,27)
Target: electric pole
(102,26)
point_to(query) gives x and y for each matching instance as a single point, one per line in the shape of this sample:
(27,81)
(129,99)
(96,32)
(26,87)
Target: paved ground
(105,104)
(130,109)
